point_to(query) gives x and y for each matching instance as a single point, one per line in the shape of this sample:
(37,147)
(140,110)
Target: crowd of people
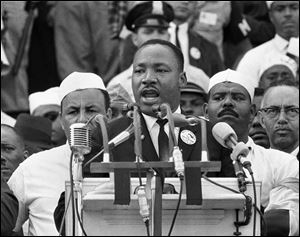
(64,62)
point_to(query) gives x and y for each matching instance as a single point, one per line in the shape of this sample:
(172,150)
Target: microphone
(121,137)
(177,155)
(181,120)
(102,121)
(80,143)
(178,162)
(227,137)
(144,207)
(80,139)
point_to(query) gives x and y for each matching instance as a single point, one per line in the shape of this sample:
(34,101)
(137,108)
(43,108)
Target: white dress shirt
(279,173)
(153,129)
(255,58)
(183,40)
(38,183)
(295,152)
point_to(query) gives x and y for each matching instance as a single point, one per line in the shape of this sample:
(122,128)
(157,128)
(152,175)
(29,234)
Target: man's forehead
(85,95)
(157,51)
(225,87)
(282,95)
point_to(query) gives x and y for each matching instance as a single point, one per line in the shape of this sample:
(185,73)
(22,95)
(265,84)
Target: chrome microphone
(80,138)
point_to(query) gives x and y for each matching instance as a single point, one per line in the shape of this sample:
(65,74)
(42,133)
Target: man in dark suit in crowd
(197,50)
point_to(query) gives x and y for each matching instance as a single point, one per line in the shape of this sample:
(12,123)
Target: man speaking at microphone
(230,101)
(156,79)
(39,181)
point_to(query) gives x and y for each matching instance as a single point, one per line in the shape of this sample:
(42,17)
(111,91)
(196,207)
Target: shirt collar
(151,121)
(280,42)
(182,27)
(295,152)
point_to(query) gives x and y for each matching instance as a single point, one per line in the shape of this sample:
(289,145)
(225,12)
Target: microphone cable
(72,194)
(255,203)
(237,192)
(177,207)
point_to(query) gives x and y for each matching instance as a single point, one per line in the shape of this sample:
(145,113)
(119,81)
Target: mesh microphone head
(80,138)
(222,132)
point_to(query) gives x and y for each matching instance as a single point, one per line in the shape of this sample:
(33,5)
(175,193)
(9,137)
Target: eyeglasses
(274,111)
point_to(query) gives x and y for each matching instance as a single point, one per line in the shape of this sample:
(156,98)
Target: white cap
(279,60)
(269,4)
(233,76)
(198,77)
(79,81)
(47,97)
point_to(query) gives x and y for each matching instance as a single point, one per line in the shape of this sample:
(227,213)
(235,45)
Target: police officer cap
(140,14)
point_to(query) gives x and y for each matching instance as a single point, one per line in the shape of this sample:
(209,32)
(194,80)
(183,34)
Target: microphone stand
(77,182)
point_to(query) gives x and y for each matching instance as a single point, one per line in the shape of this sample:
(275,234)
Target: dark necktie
(177,38)
(163,141)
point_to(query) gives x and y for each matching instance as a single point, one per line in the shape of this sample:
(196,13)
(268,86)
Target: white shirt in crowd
(255,58)
(279,173)
(183,40)
(38,183)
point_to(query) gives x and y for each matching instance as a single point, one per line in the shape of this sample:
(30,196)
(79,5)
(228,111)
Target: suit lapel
(149,152)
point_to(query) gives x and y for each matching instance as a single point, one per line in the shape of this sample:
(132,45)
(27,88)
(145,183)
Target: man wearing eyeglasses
(230,100)
(279,115)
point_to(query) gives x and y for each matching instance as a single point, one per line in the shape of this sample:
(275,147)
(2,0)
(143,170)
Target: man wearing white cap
(230,100)
(285,17)
(39,181)
(47,104)
(279,70)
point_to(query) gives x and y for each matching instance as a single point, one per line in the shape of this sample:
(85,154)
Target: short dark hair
(174,48)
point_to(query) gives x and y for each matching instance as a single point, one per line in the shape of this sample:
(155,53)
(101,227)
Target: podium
(216,216)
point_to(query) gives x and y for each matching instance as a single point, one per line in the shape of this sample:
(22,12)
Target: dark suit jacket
(210,61)
(125,151)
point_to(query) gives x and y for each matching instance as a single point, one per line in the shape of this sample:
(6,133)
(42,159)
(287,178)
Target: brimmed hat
(35,130)
(79,81)
(197,81)
(118,95)
(233,76)
(143,13)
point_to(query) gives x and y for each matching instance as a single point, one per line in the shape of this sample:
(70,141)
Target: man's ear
(182,80)
(134,38)
(109,114)
(26,154)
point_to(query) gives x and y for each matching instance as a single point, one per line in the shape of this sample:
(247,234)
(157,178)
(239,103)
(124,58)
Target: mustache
(228,111)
